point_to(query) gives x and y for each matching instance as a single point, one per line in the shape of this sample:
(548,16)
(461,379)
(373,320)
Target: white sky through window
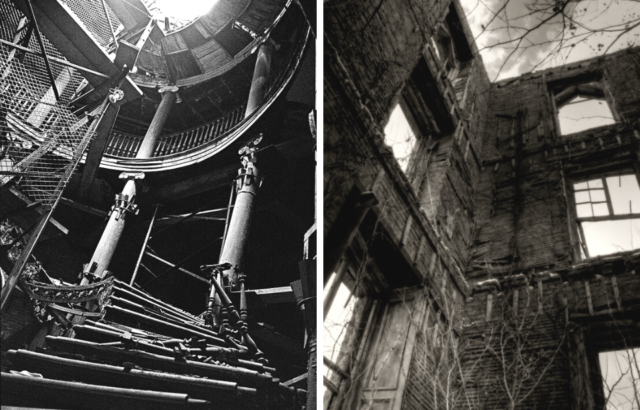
(184,9)
(607,237)
(582,114)
(335,323)
(620,373)
(399,136)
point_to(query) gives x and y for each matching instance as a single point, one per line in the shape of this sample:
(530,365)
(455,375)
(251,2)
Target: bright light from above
(184,9)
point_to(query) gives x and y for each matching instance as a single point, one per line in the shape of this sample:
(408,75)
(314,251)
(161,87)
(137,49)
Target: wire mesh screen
(92,14)
(40,141)
(10,21)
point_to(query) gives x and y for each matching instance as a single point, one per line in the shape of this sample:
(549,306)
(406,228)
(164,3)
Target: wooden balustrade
(126,145)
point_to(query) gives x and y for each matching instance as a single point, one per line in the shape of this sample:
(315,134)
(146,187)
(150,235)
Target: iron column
(248,182)
(261,75)
(150,141)
(125,200)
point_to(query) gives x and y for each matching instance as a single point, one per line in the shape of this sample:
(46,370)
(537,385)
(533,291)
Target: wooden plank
(159,326)
(119,376)
(587,289)
(489,306)
(419,249)
(433,263)
(296,380)
(405,231)
(540,296)
(84,208)
(19,390)
(275,295)
(609,218)
(157,362)
(103,129)
(193,275)
(616,291)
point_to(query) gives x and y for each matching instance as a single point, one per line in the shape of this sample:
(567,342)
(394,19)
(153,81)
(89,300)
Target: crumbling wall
(531,340)
(428,215)
(522,213)
(514,347)
(379,45)
(538,315)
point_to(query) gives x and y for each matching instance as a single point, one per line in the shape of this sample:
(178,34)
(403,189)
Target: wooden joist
(224,354)
(18,390)
(121,376)
(146,360)
(150,299)
(127,304)
(126,316)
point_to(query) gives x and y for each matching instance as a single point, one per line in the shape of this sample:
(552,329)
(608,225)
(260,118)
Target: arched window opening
(582,107)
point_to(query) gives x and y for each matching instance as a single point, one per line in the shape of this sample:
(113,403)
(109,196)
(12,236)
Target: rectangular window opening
(337,320)
(608,214)
(621,378)
(344,310)
(400,135)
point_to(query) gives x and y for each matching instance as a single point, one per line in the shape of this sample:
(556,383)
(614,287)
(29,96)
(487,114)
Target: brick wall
(522,220)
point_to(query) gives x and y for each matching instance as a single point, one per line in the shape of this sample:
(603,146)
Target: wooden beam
(67,33)
(19,390)
(128,53)
(103,128)
(144,248)
(120,376)
(167,220)
(274,295)
(55,59)
(616,291)
(295,380)
(164,327)
(340,236)
(609,218)
(158,362)
(587,289)
(193,275)
(84,208)
(45,57)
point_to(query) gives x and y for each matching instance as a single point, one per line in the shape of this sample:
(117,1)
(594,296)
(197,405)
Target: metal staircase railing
(125,145)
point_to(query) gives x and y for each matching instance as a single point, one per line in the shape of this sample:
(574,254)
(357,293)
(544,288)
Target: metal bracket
(248,157)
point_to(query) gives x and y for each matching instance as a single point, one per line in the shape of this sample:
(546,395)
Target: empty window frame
(608,214)
(582,106)
(401,134)
(445,51)
(344,311)
(620,372)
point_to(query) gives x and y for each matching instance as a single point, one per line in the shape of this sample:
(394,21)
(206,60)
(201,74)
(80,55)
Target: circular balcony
(221,77)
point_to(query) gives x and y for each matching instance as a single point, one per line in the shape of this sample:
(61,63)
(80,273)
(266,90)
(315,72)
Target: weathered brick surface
(488,202)
(521,207)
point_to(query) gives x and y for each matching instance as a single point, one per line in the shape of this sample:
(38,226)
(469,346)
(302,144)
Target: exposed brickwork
(491,198)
